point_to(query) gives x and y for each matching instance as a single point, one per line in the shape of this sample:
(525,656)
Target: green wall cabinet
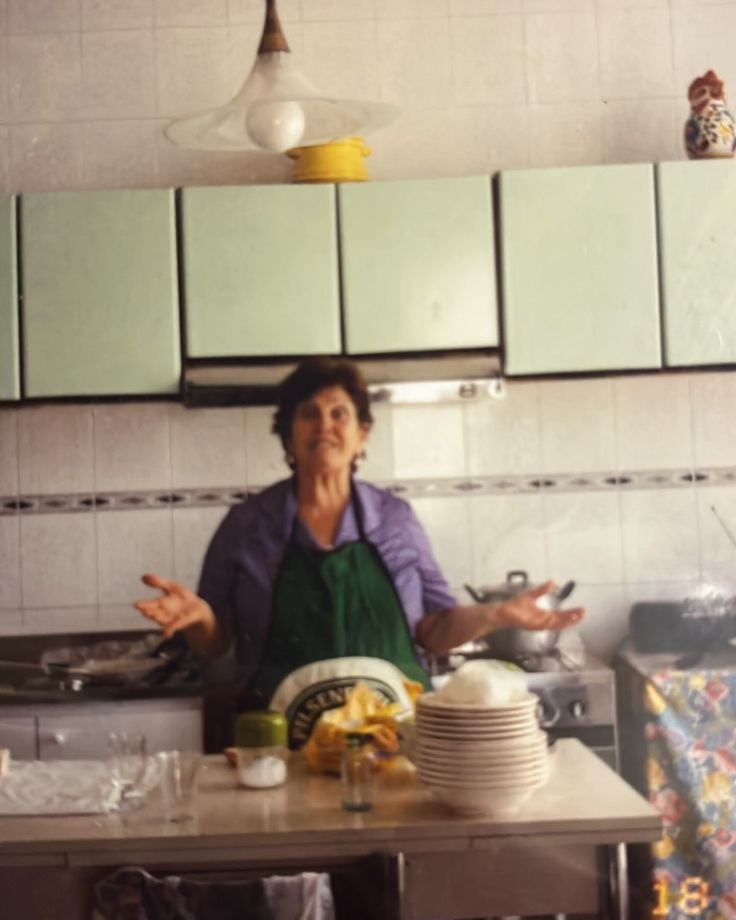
(698,261)
(100,301)
(418,265)
(260,271)
(579,269)
(9,353)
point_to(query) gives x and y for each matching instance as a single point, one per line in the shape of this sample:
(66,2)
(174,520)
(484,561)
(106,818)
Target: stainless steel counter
(546,858)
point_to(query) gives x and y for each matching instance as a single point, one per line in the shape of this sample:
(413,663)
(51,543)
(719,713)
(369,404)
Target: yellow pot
(338,161)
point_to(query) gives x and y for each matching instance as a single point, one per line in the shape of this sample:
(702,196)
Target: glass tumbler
(178,776)
(129,759)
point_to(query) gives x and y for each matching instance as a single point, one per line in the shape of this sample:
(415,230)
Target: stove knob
(577,709)
(546,713)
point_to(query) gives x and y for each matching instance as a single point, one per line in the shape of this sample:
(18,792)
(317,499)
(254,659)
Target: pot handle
(517,577)
(478,598)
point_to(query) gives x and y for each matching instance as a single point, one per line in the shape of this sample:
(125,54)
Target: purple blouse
(244,556)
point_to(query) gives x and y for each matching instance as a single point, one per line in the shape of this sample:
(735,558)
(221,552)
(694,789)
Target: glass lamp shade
(277,109)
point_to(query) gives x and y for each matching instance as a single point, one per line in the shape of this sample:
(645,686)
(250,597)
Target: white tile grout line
(459,486)
(691,425)
(94,420)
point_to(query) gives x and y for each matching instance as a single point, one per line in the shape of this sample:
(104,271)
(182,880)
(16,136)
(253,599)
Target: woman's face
(326,434)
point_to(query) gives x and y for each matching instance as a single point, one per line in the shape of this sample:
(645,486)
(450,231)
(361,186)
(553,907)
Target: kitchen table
(548,857)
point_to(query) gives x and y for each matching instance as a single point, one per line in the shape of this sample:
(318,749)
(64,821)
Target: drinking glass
(129,761)
(178,774)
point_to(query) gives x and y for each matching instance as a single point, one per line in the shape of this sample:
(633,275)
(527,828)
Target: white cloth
(58,787)
(295,897)
(307,896)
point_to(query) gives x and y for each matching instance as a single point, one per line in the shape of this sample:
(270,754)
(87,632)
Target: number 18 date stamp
(691,898)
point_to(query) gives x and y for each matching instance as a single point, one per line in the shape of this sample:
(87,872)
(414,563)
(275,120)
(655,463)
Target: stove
(69,669)
(576,690)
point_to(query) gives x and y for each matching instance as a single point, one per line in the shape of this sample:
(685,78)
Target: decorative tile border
(124,501)
(407,488)
(564,482)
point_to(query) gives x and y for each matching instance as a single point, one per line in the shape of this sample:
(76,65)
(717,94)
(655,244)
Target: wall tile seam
(239,24)
(343,20)
(110,30)
(457,486)
(79,120)
(17,618)
(94,610)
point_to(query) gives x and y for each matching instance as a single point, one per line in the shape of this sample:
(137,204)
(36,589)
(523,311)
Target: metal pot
(513,644)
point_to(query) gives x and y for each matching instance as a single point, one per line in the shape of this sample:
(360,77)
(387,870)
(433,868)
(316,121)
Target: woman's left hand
(445,630)
(523,612)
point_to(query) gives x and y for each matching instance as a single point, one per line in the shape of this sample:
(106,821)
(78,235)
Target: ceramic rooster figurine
(710,131)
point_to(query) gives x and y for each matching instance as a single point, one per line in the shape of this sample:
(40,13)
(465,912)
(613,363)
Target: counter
(545,858)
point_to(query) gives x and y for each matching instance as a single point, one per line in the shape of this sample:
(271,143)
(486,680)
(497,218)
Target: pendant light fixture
(277,108)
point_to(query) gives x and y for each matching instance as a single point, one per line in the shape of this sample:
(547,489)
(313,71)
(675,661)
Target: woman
(323,566)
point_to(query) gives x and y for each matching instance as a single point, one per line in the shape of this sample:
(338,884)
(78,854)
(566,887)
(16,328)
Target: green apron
(333,604)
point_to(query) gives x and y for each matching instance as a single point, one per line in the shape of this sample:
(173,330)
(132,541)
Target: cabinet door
(9,354)
(697,260)
(18,734)
(579,269)
(418,270)
(74,732)
(100,308)
(260,271)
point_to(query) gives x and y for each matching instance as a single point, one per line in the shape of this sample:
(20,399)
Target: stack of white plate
(480,759)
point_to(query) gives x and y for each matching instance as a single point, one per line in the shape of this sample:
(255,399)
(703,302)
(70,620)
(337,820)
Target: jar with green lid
(261,748)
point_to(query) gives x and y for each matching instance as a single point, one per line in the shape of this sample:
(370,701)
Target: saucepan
(513,644)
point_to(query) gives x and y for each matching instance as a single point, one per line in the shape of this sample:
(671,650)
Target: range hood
(408,379)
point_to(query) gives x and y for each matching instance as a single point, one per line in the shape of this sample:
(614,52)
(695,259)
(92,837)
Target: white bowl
(519,718)
(433,701)
(474,734)
(483,780)
(461,747)
(474,764)
(488,721)
(516,745)
(476,771)
(526,728)
(482,802)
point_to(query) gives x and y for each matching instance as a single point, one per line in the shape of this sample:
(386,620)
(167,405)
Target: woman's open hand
(523,612)
(177,608)
(444,630)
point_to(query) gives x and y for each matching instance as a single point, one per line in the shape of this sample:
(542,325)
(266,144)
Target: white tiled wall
(81,570)
(86,85)
(85,89)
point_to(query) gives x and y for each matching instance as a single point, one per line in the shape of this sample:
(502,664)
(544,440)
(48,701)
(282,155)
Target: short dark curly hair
(309,377)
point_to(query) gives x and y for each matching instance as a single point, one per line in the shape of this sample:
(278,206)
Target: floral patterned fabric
(690,734)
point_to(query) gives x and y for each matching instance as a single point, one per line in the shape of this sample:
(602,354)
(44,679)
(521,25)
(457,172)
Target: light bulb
(276,126)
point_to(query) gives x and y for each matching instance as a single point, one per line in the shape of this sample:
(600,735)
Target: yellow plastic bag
(366,713)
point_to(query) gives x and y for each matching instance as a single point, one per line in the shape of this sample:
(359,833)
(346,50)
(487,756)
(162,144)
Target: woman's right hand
(177,608)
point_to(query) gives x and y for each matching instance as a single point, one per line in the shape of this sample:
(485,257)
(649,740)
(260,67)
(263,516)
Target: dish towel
(132,893)
(300,897)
